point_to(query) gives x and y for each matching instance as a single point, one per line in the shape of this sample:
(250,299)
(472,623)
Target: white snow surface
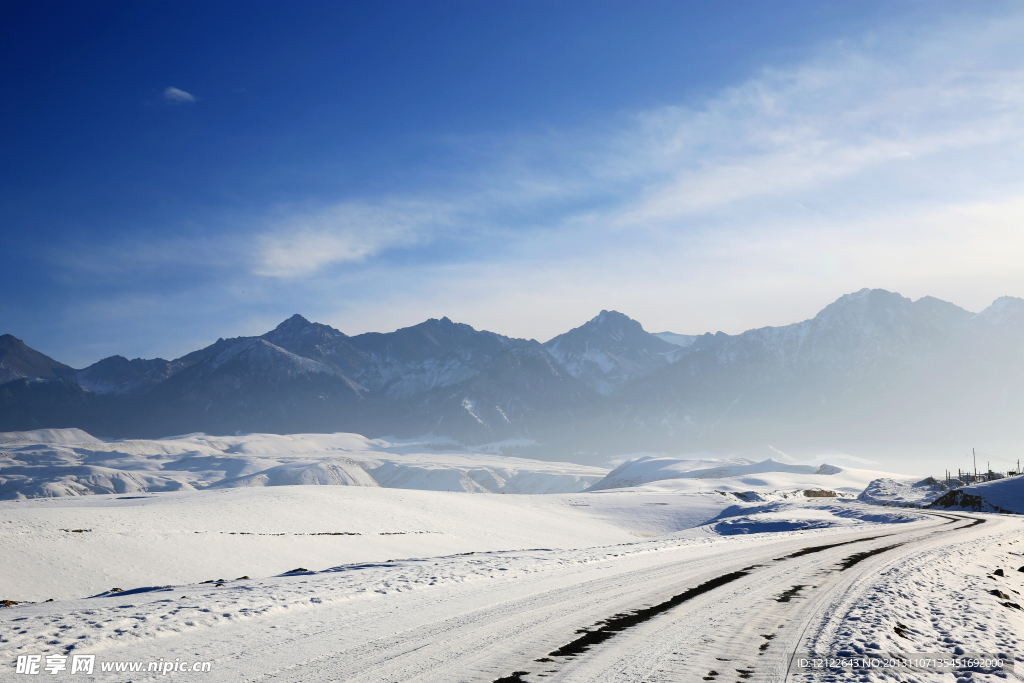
(380,560)
(70,463)
(402,584)
(999,495)
(787,516)
(146,539)
(249,566)
(944,602)
(197,507)
(40,436)
(1005,494)
(903,493)
(663,473)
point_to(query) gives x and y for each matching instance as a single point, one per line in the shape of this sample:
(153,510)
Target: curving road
(728,609)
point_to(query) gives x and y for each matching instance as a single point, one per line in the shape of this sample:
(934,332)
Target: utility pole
(973,453)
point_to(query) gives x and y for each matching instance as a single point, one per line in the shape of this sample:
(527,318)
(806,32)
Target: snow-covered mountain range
(873,370)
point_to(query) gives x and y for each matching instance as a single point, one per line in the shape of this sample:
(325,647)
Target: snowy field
(921,586)
(70,462)
(334,557)
(738,475)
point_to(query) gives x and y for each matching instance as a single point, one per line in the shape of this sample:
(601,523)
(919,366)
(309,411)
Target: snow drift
(903,493)
(70,462)
(1001,495)
(735,475)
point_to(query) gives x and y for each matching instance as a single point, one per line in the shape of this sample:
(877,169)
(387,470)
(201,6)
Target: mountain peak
(864,304)
(606,323)
(294,322)
(869,295)
(608,350)
(444,321)
(606,317)
(1008,302)
(18,359)
(1006,310)
(297,326)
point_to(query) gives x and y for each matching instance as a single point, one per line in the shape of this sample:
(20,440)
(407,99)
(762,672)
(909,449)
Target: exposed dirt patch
(860,557)
(603,630)
(820,548)
(790,593)
(515,677)
(620,622)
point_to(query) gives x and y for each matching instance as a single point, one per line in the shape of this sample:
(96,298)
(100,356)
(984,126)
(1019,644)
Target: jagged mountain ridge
(609,350)
(433,354)
(18,360)
(871,368)
(118,375)
(251,382)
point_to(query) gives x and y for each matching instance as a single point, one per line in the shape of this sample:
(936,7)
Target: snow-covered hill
(903,493)
(1000,495)
(56,463)
(75,546)
(661,473)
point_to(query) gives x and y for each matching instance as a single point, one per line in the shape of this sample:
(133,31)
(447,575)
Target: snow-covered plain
(255,565)
(484,615)
(97,515)
(187,537)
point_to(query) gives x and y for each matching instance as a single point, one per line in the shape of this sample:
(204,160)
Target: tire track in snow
(757,633)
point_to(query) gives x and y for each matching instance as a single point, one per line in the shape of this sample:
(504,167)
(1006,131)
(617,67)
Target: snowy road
(736,606)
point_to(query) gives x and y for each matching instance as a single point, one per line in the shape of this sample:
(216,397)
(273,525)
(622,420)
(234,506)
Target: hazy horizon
(226,334)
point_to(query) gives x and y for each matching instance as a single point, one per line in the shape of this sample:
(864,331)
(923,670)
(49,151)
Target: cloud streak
(889,161)
(306,243)
(177,96)
(883,162)
(855,110)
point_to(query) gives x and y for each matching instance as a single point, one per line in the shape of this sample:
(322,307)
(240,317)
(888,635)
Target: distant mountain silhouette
(873,370)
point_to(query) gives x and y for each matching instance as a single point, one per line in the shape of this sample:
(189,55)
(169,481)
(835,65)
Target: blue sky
(176,172)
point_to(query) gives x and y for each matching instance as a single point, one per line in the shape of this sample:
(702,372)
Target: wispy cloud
(305,243)
(887,161)
(178,96)
(877,106)
(884,162)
